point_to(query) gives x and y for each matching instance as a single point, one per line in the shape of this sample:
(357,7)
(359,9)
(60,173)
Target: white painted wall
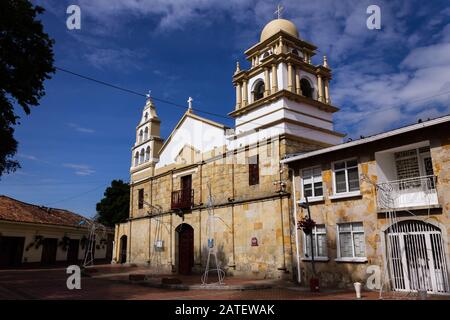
(200,135)
(33,254)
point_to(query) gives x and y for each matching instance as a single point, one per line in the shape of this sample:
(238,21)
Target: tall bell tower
(283,92)
(145,151)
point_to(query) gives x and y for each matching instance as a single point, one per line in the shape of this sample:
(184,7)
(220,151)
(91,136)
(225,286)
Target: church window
(312,182)
(258,92)
(306,87)
(147,154)
(253,170)
(295,51)
(141,157)
(141,134)
(146,134)
(140,198)
(146,116)
(136,159)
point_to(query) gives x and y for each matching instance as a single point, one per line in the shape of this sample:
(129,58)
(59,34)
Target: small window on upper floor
(140,198)
(253,170)
(146,116)
(295,51)
(306,88)
(346,177)
(141,135)
(136,159)
(146,133)
(258,91)
(312,182)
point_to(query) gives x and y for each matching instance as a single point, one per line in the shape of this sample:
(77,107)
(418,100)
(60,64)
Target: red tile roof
(15,210)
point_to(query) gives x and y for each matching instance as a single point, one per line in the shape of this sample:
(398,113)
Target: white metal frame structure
(212,251)
(417,260)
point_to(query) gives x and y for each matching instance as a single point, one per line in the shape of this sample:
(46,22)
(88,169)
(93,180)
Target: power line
(76,195)
(228,117)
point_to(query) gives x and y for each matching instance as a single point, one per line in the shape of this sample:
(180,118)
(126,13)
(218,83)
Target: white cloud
(80,169)
(27,156)
(388,71)
(121,58)
(80,129)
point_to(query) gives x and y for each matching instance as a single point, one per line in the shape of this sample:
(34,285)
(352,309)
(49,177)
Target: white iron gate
(417,258)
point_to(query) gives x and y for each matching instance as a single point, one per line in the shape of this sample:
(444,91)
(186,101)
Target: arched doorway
(416,257)
(185,248)
(123,249)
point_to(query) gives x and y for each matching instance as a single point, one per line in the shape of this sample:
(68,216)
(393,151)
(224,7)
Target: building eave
(373,138)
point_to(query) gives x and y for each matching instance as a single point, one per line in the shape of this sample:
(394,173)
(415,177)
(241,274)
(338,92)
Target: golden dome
(275,26)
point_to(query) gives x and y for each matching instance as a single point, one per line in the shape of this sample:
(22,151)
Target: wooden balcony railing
(182,199)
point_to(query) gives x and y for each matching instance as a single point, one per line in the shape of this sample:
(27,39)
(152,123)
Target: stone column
(266,82)
(274,78)
(298,89)
(319,88)
(238,95)
(244,93)
(327,92)
(290,82)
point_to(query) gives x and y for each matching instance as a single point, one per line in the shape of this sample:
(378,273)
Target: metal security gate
(416,257)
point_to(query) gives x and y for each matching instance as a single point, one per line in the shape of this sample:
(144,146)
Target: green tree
(26,60)
(115,206)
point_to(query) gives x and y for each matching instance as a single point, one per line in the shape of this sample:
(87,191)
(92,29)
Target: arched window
(141,157)
(306,87)
(141,133)
(266,54)
(136,159)
(147,154)
(146,116)
(295,51)
(258,91)
(146,133)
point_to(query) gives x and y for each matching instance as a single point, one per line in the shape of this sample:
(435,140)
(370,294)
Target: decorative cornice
(274,38)
(280,94)
(151,138)
(282,58)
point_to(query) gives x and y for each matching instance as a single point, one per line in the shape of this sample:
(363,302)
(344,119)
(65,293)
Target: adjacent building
(32,235)
(379,201)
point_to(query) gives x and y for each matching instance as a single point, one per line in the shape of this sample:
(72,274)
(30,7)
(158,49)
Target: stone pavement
(111,282)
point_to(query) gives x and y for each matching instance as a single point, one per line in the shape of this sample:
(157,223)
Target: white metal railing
(412,192)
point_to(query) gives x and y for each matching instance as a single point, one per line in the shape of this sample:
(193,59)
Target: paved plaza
(111,282)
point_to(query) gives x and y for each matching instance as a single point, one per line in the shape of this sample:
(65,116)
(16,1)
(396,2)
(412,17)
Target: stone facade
(363,207)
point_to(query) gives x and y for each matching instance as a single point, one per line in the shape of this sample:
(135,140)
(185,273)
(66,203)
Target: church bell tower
(145,151)
(283,92)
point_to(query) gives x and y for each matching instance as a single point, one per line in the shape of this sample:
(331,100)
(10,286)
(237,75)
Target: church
(236,195)
(283,106)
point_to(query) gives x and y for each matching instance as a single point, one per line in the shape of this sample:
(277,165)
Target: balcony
(412,193)
(182,199)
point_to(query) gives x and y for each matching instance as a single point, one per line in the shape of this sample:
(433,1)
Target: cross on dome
(280,9)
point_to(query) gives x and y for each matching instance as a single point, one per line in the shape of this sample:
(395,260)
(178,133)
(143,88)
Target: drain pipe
(296,223)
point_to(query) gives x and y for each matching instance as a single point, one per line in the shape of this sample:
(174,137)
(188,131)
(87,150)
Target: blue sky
(79,138)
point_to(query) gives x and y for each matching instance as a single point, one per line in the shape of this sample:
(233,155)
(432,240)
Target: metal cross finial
(190,103)
(280,9)
(149,94)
